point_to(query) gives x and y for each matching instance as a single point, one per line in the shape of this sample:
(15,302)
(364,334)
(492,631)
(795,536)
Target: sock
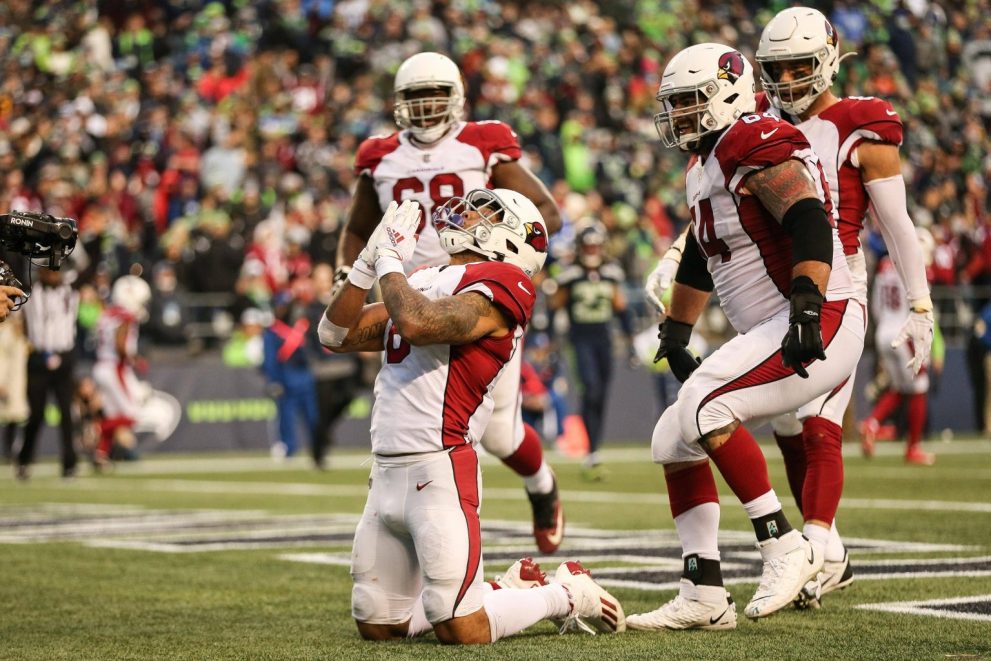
(886,405)
(540,482)
(742,465)
(418,623)
(834,547)
(774,524)
(916,419)
(528,457)
(512,611)
(819,537)
(690,488)
(698,530)
(793,451)
(702,571)
(824,476)
(591,460)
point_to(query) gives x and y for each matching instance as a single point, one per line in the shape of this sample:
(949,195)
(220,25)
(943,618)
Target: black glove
(803,341)
(340,277)
(674,336)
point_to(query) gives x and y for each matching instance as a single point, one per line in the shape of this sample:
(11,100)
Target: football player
(889,303)
(448,332)
(435,156)
(762,237)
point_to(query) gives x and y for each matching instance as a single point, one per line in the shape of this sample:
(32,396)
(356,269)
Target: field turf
(236,557)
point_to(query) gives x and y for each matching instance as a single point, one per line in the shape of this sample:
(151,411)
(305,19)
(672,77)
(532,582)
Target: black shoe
(548,519)
(69,474)
(22,472)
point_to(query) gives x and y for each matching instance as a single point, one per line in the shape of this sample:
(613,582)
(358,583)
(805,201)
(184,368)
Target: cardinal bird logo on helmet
(831,39)
(730,66)
(536,237)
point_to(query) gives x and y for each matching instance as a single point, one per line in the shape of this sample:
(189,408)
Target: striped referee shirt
(51,318)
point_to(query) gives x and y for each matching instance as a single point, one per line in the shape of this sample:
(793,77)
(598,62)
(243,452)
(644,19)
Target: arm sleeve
(889,201)
(693,270)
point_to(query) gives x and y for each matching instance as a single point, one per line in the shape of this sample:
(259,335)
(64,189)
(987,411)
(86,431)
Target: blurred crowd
(212,143)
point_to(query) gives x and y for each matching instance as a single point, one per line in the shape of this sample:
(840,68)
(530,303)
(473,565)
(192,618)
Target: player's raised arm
(362,219)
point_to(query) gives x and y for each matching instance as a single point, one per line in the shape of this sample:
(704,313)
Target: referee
(51,328)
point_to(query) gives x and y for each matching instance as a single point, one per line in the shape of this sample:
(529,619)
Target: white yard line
(919,607)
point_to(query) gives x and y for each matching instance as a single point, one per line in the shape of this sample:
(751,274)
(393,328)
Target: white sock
(818,535)
(540,482)
(698,529)
(763,505)
(834,547)
(418,623)
(512,611)
(592,459)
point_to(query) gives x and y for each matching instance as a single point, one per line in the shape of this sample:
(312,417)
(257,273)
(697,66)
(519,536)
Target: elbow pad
(810,231)
(330,334)
(693,270)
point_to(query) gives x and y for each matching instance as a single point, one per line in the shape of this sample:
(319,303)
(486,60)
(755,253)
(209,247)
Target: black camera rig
(35,235)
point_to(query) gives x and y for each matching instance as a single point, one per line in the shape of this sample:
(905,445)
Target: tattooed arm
(789,194)
(457,319)
(364,324)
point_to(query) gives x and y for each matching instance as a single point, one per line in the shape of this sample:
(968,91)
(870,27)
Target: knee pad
(369,604)
(668,444)
(504,432)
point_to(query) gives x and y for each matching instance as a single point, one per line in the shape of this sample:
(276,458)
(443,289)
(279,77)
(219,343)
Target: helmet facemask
(428,111)
(685,119)
(807,82)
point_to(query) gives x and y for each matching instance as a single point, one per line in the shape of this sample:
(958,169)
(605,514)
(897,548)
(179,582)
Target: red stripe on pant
(771,369)
(464,463)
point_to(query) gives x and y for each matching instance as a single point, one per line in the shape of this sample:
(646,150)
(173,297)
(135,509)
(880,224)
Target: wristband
(385,265)
(330,334)
(361,278)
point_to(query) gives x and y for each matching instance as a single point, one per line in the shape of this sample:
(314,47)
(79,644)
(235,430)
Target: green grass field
(234,557)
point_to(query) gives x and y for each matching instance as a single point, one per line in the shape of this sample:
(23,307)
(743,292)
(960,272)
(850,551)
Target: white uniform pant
(119,388)
(504,433)
(745,380)
(419,532)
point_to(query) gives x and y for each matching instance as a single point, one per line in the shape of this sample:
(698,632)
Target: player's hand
(918,329)
(397,242)
(674,337)
(659,281)
(9,297)
(803,341)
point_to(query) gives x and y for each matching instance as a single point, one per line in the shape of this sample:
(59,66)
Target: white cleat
(521,575)
(789,563)
(836,575)
(593,609)
(695,607)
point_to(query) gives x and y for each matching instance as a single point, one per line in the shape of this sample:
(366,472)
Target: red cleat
(919,457)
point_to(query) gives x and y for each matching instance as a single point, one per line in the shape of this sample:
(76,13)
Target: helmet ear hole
(512,248)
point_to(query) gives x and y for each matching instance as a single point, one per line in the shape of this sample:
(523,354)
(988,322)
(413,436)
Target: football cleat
(790,562)
(592,608)
(548,519)
(521,575)
(919,457)
(836,575)
(695,607)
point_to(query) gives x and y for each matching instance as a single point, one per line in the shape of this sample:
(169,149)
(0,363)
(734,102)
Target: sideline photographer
(34,235)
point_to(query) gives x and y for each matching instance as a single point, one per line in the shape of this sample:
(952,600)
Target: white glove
(397,242)
(919,329)
(361,274)
(659,281)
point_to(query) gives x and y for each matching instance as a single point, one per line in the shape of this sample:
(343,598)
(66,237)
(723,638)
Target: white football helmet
(133,294)
(511,228)
(428,118)
(721,81)
(796,34)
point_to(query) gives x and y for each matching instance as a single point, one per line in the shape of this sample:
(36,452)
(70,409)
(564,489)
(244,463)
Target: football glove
(397,242)
(674,337)
(362,273)
(659,281)
(918,329)
(803,341)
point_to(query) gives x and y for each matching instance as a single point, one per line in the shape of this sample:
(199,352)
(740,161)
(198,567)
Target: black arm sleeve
(693,271)
(811,233)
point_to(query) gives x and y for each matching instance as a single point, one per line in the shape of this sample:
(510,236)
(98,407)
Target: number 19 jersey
(748,253)
(433,174)
(434,397)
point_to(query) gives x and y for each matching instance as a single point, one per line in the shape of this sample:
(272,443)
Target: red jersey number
(710,244)
(396,348)
(442,187)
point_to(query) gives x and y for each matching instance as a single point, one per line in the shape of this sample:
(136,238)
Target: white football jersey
(889,301)
(106,333)
(835,134)
(430,398)
(749,254)
(433,174)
